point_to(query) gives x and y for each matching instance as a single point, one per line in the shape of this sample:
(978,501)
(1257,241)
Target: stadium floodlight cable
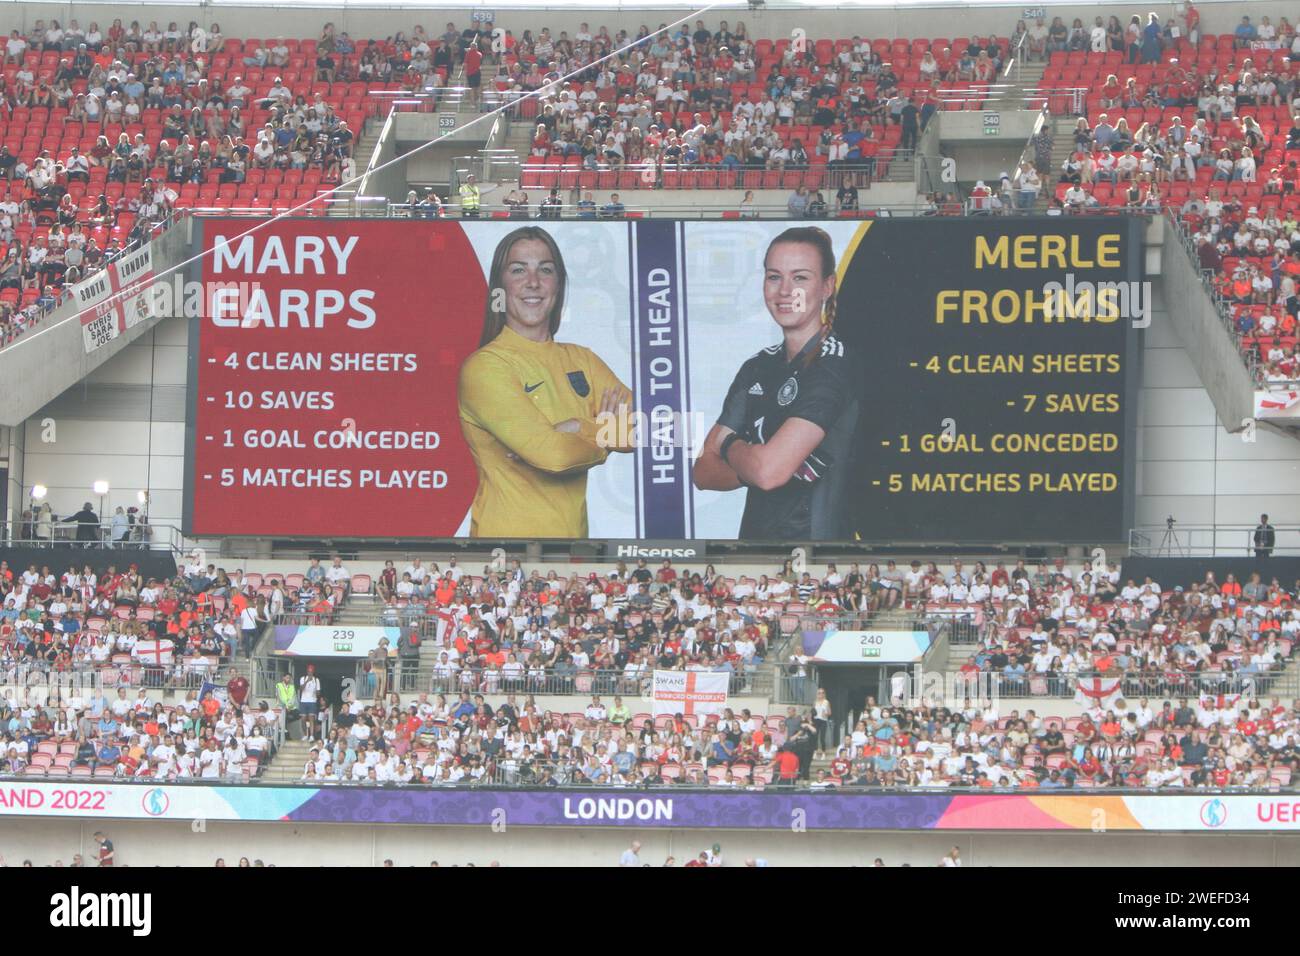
(546,89)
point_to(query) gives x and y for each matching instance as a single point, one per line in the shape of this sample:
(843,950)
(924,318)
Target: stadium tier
(1214,657)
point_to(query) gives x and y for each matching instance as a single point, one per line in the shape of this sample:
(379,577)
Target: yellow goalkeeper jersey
(532,479)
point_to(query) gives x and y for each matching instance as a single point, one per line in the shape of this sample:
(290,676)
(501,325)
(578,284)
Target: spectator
(614,209)
(797,205)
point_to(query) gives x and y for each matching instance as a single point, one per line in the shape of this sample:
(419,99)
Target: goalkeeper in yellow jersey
(537,413)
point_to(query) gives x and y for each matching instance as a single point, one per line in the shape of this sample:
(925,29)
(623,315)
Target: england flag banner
(690,692)
(156,653)
(1098,691)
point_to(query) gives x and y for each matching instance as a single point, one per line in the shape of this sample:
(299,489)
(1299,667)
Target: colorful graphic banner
(770,810)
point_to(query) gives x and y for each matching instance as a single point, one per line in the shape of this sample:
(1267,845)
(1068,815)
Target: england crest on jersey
(579,382)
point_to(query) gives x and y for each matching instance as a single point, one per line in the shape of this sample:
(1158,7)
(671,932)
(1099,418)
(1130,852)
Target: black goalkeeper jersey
(767,392)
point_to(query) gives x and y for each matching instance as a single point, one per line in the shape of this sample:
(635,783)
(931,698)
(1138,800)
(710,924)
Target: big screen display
(955,380)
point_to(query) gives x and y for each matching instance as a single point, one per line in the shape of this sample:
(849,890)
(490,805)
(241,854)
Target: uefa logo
(1214,813)
(155,802)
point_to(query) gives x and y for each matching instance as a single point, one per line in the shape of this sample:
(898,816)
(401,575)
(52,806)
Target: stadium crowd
(1208,742)
(61,729)
(1045,632)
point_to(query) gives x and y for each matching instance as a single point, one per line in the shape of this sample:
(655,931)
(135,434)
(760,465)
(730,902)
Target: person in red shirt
(1192,17)
(840,766)
(786,767)
(701,860)
(105,849)
(210,705)
(473,71)
(237,688)
(445,591)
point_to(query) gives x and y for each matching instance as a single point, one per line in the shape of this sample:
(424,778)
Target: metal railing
(960,630)
(62,535)
(1058,100)
(40,679)
(1157,684)
(414,677)
(634,211)
(893,164)
(1208,540)
(382,209)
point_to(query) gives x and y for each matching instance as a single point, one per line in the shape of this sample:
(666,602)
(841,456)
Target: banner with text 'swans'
(895,380)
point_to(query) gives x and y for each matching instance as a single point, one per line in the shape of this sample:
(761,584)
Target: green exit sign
(871,652)
(992,130)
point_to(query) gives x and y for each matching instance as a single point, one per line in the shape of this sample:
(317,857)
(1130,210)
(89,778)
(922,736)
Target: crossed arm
(766,467)
(488,400)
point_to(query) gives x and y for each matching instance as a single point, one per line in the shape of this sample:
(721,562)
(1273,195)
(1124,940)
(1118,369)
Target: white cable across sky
(136,287)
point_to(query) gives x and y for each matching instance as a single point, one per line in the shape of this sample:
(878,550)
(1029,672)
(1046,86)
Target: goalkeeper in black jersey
(786,427)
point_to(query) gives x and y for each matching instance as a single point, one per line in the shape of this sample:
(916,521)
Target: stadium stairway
(362,153)
(286,766)
(1013,90)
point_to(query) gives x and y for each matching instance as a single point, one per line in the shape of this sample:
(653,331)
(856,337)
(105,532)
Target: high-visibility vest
(288,695)
(469,196)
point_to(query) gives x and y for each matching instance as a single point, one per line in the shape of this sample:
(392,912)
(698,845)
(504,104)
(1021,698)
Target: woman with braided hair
(788,419)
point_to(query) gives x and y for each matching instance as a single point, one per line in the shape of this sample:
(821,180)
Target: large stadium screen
(892,380)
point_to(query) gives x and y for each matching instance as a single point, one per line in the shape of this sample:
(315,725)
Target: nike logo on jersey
(533,388)
(756,389)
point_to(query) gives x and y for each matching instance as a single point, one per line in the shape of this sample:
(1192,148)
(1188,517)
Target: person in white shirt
(209,760)
(308,700)
(336,574)
(15,46)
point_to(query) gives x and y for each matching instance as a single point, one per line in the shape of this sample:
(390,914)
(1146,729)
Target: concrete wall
(1189,465)
(389,183)
(286,844)
(979,156)
(124,424)
(1207,343)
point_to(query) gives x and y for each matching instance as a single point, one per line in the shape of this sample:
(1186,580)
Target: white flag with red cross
(690,692)
(153,652)
(1098,691)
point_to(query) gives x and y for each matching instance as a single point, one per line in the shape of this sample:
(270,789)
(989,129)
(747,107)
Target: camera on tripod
(1169,544)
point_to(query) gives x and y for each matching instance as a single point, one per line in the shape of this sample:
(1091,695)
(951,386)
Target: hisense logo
(636,551)
(77,910)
